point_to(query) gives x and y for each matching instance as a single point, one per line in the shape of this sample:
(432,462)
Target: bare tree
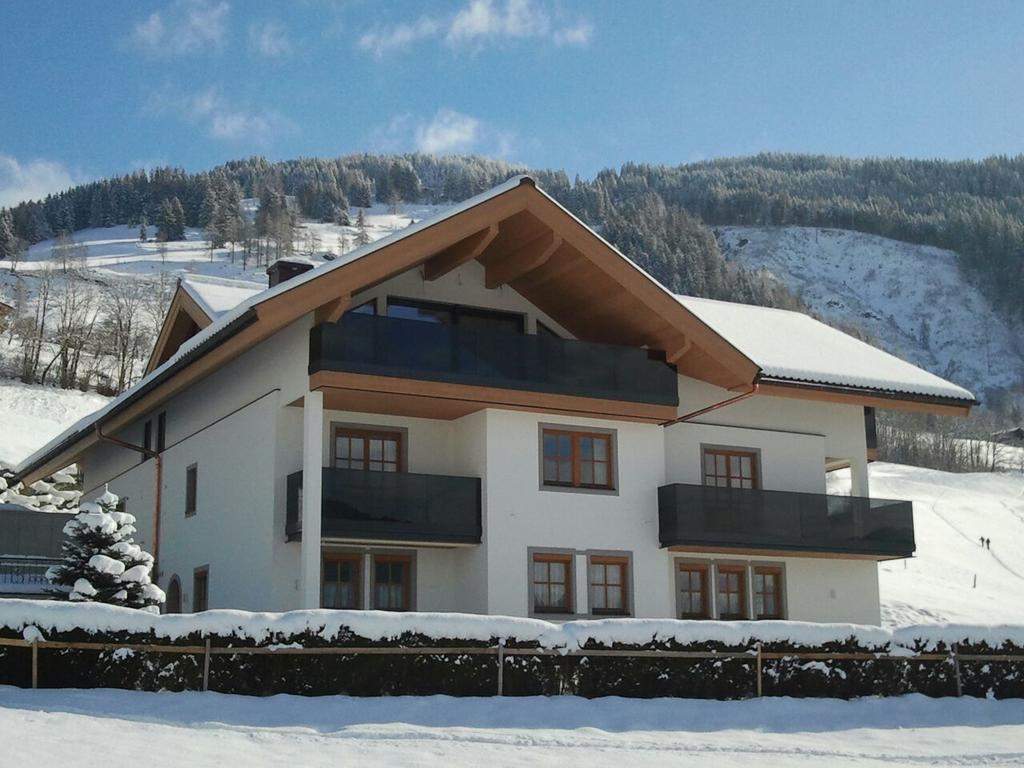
(124,336)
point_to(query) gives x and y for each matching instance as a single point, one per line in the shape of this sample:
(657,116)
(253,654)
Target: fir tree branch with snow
(101,562)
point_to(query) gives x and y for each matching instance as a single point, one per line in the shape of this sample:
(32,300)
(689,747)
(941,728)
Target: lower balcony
(365,506)
(710,519)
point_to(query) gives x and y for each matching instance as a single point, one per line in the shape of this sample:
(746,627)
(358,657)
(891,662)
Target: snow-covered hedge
(466,674)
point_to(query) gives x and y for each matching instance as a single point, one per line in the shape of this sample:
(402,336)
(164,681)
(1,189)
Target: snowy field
(911,298)
(31,415)
(99,728)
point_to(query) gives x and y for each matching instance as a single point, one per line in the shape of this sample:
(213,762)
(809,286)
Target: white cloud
(479,22)
(446,132)
(220,118)
(270,39)
(32,180)
(184,27)
(385,40)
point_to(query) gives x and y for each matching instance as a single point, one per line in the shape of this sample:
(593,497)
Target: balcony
(699,517)
(484,358)
(391,506)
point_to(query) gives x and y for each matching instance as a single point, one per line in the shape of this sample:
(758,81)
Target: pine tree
(9,245)
(143,231)
(362,237)
(101,563)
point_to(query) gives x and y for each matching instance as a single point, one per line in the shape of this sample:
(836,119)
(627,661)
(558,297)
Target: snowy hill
(911,299)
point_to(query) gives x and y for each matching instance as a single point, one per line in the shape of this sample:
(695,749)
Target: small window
(544,330)
(191,489)
(692,584)
(767,592)
(609,586)
(173,602)
(147,439)
(392,582)
(732,592)
(377,451)
(200,589)
(577,459)
(552,583)
(727,468)
(161,432)
(342,581)
(366,308)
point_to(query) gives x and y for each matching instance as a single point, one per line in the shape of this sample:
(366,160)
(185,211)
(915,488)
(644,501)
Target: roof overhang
(874,398)
(185,317)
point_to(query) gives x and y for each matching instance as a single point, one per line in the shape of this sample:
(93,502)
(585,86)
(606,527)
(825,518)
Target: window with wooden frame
(731,593)
(201,589)
(575,459)
(392,582)
(191,489)
(730,468)
(341,586)
(551,582)
(768,592)
(692,586)
(376,450)
(609,585)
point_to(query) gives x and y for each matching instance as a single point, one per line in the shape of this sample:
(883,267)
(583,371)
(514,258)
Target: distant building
(30,542)
(1013,436)
(5,310)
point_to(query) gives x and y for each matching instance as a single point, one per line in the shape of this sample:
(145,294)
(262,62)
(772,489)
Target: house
(494,411)
(1013,436)
(30,542)
(5,310)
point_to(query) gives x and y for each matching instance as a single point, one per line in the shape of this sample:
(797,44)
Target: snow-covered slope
(953,578)
(911,299)
(32,415)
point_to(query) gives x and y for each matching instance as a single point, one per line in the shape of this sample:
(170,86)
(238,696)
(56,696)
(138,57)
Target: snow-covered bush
(57,493)
(101,562)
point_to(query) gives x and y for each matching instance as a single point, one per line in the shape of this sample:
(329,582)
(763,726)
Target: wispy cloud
(477,23)
(220,118)
(270,39)
(385,40)
(182,28)
(446,132)
(32,180)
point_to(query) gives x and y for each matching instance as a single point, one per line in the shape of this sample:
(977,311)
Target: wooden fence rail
(757,654)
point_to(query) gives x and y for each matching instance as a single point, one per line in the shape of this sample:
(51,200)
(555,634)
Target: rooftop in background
(796,347)
(219,295)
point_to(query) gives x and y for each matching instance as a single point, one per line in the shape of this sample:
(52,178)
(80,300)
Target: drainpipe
(158,480)
(694,414)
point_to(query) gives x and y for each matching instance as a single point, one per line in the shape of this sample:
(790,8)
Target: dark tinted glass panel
(438,314)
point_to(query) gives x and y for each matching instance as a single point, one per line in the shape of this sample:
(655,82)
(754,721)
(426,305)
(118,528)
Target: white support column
(312,476)
(582,584)
(859,476)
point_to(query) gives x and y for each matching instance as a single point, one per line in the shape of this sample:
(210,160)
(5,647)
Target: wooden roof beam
(332,311)
(522,260)
(461,253)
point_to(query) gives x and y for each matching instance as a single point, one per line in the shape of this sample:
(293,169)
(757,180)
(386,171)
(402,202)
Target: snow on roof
(219,295)
(795,347)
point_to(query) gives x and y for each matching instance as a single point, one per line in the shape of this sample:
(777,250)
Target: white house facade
(496,412)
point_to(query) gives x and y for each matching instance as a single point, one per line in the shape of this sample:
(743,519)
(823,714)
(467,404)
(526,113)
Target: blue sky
(96,88)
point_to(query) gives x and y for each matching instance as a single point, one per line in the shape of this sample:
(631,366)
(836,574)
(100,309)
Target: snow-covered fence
(375,653)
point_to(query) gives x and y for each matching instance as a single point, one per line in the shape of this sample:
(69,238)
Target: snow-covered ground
(32,415)
(953,578)
(912,299)
(104,727)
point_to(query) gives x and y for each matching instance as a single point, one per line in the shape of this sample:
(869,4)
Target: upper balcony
(711,519)
(484,367)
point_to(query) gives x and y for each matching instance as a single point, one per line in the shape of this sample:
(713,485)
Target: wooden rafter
(461,253)
(332,311)
(522,260)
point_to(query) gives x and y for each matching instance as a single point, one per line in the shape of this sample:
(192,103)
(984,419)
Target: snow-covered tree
(362,236)
(57,493)
(101,563)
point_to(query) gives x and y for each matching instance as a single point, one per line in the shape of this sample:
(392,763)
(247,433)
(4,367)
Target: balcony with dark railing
(699,516)
(360,505)
(399,347)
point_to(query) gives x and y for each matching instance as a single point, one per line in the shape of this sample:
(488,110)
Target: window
(552,582)
(147,439)
(727,468)
(692,586)
(392,582)
(767,592)
(376,450)
(161,432)
(732,592)
(366,308)
(455,314)
(577,459)
(173,602)
(191,489)
(609,585)
(544,330)
(342,581)
(200,589)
